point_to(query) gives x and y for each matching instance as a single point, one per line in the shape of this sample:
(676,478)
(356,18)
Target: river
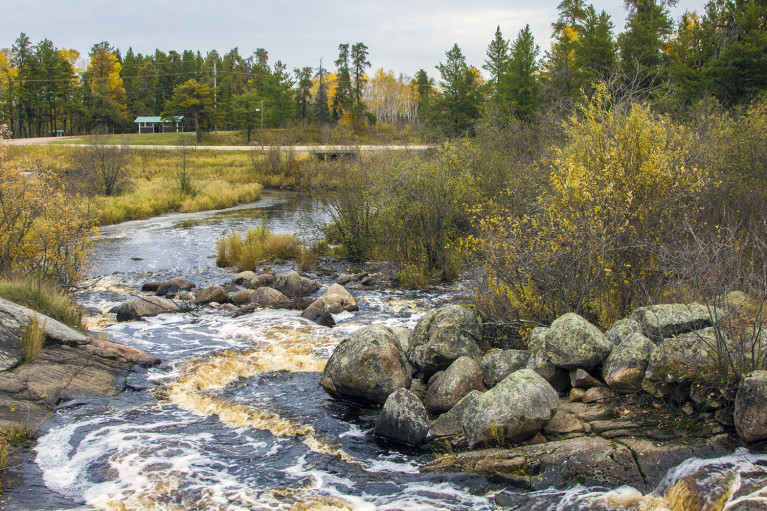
(234,418)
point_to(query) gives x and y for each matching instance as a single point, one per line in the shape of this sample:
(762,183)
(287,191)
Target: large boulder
(293,285)
(498,364)
(677,361)
(556,376)
(182,283)
(369,364)
(339,299)
(659,322)
(244,276)
(537,338)
(255,281)
(403,419)
(622,330)
(442,336)
(175,285)
(463,376)
(318,312)
(625,367)
(242,297)
(513,410)
(211,294)
(403,334)
(14,318)
(572,342)
(144,306)
(449,423)
(269,298)
(751,407)
(11,350)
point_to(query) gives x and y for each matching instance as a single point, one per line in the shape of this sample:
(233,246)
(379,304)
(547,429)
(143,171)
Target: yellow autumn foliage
(44,230)
(619,188)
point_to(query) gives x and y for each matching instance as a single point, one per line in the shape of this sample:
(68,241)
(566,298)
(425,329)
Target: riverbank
(69,365)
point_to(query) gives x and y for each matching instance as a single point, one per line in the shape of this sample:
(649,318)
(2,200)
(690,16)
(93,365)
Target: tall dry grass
(260,245)
(43,298)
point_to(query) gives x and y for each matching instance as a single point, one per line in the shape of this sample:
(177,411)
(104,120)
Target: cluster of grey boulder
(441,381)
(246,292)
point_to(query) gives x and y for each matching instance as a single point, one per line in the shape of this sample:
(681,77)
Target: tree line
(720,54)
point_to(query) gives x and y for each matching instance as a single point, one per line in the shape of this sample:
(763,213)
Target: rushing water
(233,419)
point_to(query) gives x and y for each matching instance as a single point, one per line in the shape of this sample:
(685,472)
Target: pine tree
(497,57)
(648,27)
(359,63)
(519,89)
(457,107)
(321,109)
(596,54)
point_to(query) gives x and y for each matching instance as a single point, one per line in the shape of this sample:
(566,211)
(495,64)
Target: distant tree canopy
(719,53)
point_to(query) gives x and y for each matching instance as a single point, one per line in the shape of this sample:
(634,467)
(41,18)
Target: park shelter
(157,124)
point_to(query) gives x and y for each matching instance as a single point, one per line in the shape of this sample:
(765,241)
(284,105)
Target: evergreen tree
(562,74)
(497,58)
(304,92)
(738,31)
(424,88)
(342,98)
(56,83)
(27,67)
(360,62)
(458,105)
(321,109)
(519,89)
(596,54)
(648,27)
(193,99)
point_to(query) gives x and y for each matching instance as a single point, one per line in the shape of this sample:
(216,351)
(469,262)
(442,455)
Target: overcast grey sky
(402,35)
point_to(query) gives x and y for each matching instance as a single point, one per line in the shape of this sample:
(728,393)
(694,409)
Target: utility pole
(262,124)
(215,106)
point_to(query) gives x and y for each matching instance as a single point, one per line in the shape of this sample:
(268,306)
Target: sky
(401,35)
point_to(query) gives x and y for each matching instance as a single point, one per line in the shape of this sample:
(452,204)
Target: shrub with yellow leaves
(619,187)
(44,231)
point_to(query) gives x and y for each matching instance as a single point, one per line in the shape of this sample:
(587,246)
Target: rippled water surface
(234,418)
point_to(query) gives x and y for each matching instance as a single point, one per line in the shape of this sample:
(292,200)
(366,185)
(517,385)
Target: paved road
(298,148)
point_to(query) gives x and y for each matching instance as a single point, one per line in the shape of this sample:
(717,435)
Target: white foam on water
(393,466)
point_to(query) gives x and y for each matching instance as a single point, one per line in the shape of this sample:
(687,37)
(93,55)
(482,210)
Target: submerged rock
(369,364)
(145,306)
(269,298)
(338,299)
(211,294)
(442,336)
(318,312)
(513,410)
(572,342)
(293,285)
(403,419)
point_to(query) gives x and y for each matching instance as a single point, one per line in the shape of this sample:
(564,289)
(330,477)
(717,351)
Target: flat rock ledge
(69,365)
(588,460)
